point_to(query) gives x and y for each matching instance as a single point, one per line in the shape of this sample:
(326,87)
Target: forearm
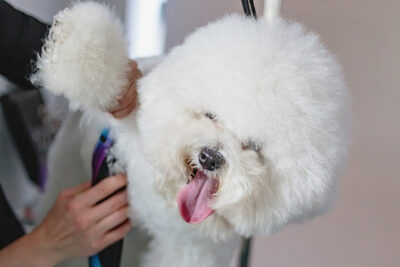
(29,250)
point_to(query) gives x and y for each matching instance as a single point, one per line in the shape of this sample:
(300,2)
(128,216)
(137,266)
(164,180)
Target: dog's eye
(251,145)
(210,116)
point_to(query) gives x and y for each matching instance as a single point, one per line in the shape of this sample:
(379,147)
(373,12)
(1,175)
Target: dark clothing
(10,228)
(21,37)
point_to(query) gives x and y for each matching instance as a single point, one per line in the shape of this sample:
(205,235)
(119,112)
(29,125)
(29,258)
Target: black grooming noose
(249,11)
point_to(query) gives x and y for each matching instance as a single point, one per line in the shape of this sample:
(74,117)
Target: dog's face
(243,124)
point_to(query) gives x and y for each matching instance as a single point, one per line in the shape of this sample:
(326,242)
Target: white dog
(240,130)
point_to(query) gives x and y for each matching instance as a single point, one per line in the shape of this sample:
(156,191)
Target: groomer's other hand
(128,101)
(77,227)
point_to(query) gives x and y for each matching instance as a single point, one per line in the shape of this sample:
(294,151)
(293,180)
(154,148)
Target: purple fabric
(42,177)
(100,153)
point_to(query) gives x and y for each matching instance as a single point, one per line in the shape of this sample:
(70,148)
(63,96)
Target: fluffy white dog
(240,130)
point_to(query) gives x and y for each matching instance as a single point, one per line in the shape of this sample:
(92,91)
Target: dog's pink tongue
(193,198)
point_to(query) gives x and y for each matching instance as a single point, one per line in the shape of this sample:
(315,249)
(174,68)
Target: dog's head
(244,122)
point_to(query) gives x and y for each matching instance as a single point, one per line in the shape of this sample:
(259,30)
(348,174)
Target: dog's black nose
(210,159)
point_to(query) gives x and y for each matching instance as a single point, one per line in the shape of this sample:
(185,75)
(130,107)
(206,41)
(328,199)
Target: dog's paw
(85,57)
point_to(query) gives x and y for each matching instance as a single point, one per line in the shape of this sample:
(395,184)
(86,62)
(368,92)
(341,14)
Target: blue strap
(94,261)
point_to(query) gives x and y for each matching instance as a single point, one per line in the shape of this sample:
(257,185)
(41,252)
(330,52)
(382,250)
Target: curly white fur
(85,57)
(279,109)
(273,84)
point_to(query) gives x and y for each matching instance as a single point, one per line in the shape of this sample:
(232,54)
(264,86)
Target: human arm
(74,227)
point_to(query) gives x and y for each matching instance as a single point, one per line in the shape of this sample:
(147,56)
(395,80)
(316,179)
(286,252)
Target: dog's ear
(85,57)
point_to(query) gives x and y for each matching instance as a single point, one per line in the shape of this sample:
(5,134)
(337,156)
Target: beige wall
(183,16)
(363,229)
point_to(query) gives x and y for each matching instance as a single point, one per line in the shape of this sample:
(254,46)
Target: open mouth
(194,197)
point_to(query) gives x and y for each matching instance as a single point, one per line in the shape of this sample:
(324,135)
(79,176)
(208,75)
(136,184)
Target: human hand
(128,101)
(77,227)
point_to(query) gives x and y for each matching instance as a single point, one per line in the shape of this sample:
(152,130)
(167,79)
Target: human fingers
(127,105)
(135,72)
(134,66)
(127,102)
(108,207)
(113,220)
(101,191)
(76,190)
(116,234)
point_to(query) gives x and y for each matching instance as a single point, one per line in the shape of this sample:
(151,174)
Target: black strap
(252,8)
(110,256)
(249,8)
(245,253)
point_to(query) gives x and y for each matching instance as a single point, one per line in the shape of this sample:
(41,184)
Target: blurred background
(362,229)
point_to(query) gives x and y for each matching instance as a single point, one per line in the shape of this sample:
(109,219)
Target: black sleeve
(21,38)
(10,228)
